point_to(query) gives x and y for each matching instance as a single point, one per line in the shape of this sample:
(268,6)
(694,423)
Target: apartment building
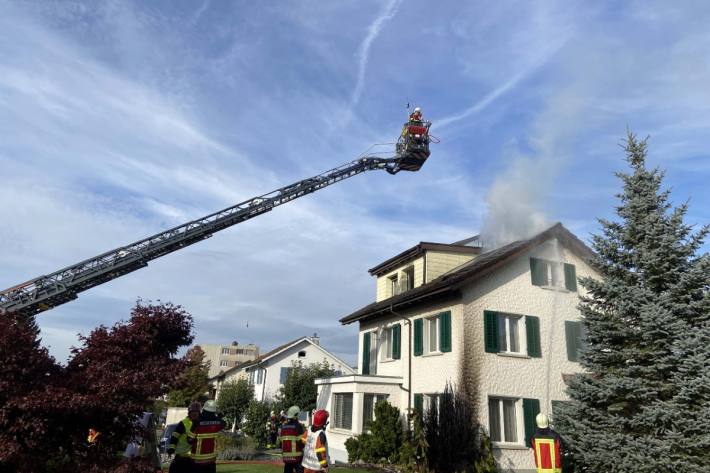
(225,357)
(505,322)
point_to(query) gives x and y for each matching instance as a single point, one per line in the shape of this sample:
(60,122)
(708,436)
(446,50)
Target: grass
(265,468)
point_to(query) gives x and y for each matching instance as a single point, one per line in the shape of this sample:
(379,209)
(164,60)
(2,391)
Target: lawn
(266,468)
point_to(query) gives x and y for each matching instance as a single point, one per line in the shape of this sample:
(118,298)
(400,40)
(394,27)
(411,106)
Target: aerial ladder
(48,291)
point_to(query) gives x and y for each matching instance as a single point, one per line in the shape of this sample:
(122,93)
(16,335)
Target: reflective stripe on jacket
(546,447)
(290,440)
(179,438)
(204,437)
(315,451)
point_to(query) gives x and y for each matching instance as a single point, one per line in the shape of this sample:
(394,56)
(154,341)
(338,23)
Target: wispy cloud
(388,12)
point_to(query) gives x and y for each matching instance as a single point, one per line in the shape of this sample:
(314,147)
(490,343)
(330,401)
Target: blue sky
(119,119)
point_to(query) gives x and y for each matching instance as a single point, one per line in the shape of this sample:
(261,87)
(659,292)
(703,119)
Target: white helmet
(542,421)
(417,109)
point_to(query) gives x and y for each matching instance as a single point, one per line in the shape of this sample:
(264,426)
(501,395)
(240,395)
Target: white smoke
(515,202)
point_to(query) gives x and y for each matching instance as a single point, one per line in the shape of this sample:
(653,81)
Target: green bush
(256,420)
(382,444)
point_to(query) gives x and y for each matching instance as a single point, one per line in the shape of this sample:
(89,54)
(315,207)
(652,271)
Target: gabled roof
(276,351)
(449,284)
(415,251)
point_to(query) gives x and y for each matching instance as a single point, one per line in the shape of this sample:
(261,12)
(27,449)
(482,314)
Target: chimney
(315,338)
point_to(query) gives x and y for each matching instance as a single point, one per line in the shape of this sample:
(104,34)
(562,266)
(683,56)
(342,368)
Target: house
(268,372)
(504,322)
(223,357)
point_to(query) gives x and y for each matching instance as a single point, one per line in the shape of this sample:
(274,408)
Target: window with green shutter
(397,342)
(573,337)
(490,331)
(366,353)
(538,272)
(418,337)
(419,403)
(445,331)
(532,329)
(531,408)
(570,277)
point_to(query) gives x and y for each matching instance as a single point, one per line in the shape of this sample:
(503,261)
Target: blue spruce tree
(643,406)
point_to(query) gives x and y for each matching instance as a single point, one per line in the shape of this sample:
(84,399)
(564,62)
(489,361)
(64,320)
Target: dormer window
(408,279)
(394,284)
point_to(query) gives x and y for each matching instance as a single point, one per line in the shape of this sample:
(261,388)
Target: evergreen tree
(643,405)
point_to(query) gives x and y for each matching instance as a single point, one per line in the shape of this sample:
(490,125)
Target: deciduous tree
(193,383)
(46,409)
(233,401)
(299,389)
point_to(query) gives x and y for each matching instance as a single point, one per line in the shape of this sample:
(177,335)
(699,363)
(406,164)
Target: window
(508,333)
(225,351)
(369,353)
(503,420)
(511,333)
(574,336)
(343,411)
(512,420)
(302,354)
(391,342)
(394,285)
(432,334)
(223,363)
(259,376)
(431,331)
(407,279)
(283,375)
(369,402)
(546,273)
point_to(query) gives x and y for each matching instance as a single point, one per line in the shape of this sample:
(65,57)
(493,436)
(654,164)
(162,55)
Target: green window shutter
(490,331)
(397,341)
(538,272)
(532,328)
(573,333)
(531,408)
(570,277)
(366,353)
(445,331)
(418,337)
(419,403)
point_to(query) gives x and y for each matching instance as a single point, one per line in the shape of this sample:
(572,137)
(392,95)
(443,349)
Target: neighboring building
(268,372)
(504,321)
(225,357)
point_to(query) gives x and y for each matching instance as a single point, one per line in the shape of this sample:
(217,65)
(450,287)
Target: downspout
(263,386)
(409,358)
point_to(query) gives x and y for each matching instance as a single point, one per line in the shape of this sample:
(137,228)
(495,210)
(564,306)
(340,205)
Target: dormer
(420,264)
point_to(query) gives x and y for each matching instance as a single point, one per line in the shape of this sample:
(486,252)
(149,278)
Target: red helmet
(320,418)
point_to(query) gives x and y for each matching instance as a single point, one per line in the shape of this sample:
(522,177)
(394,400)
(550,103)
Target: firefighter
(93,436)
(273,428)
(290,441)
(203,438)
(546,447)
(315,450)
(416,115)
(179,441)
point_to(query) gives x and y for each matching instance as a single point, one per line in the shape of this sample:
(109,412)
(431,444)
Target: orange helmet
(320,418)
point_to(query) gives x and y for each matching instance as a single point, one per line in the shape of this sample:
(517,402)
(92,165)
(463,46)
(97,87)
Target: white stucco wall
(510,290)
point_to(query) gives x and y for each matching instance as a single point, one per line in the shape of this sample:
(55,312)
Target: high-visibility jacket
(290,440)
(546,447)
(179,440)
(203,437)
(315,451)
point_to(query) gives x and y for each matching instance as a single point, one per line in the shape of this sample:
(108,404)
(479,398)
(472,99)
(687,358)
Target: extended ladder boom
(48,291)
